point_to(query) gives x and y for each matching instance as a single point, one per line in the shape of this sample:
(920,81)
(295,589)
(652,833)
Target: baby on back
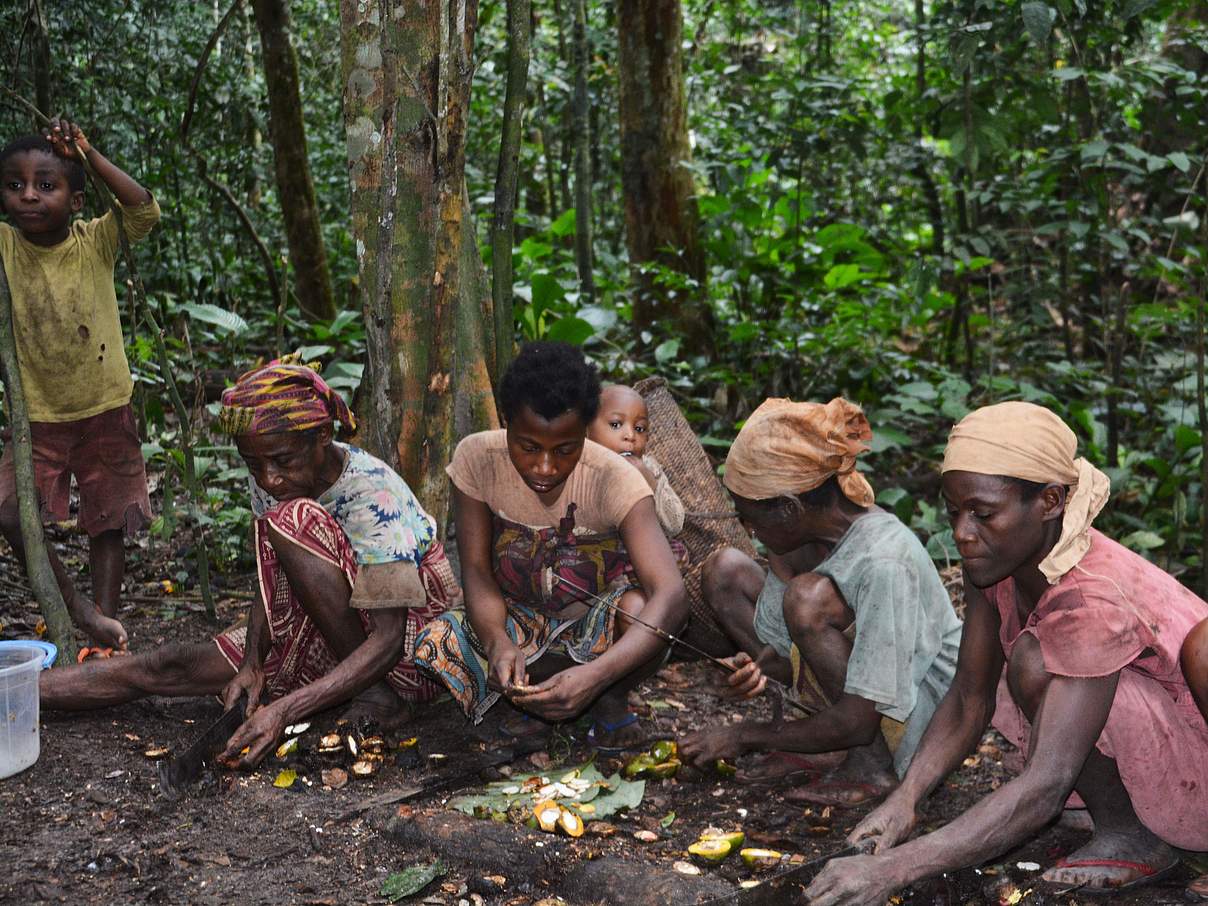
(623,426)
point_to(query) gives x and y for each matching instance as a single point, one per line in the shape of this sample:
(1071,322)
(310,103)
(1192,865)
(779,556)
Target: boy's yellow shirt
(65,316)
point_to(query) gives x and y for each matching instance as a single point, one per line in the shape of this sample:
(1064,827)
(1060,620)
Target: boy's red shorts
(104,455)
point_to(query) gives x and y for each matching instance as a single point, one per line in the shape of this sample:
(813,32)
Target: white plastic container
(19,669)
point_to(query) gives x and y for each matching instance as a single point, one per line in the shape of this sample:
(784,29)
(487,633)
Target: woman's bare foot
(1198,889)
(379,704)
(1110,861)
(777,767)
(866,776)
(521,726)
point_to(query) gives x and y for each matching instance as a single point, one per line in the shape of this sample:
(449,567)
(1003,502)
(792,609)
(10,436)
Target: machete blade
(175,774)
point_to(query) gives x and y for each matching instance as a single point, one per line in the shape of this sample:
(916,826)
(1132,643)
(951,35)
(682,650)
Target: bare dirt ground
(89,824)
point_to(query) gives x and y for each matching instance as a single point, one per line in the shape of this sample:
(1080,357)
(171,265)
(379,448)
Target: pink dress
(1116,611)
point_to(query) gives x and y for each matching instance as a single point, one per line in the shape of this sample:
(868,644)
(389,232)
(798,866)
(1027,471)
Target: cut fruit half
(711,850)
(547,814)
(760,858)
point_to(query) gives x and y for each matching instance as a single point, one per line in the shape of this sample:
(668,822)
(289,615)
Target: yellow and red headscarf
(790,448)
(281,396)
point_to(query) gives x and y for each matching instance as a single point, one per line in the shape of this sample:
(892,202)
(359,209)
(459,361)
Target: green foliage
(1000,218)
(1018,211)
(607,795)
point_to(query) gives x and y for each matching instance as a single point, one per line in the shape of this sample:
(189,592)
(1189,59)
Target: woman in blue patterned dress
(349,570)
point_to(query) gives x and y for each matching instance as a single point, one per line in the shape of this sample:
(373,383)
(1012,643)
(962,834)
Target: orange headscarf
(1023,440)
(790,448)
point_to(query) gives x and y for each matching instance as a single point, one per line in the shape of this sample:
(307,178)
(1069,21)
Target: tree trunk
(661,219)
(40,54)
(407,72)
(581,127)
(37,565)
(503,226)
(1202,413)
(252,189)
(299,208)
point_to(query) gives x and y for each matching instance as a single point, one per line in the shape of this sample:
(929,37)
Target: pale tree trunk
(661,217)
(407,72)
(299,209)
(37,564)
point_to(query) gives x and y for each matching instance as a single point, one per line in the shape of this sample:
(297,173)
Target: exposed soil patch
(88,823)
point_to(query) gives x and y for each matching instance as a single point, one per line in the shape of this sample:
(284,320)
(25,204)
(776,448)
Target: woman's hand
(258,735)
(250,681)
(564,695)
(506,665)
(885,826)
(747,680)
(703,748)
(854,881)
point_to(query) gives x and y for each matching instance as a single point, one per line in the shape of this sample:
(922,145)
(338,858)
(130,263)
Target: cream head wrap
(1023,440)
(790,448)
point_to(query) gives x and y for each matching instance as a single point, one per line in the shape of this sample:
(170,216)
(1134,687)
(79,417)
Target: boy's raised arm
(65,136)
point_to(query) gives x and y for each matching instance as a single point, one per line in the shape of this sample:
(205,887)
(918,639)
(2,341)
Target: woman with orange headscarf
(1090,635)
(851,611)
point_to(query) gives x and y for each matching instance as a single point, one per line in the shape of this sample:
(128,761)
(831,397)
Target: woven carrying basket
(710,522)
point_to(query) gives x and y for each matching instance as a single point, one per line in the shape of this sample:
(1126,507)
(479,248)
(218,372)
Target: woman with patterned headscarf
(349,570)
(1090,635)
(850,609)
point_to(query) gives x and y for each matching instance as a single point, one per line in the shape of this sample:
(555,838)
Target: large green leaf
(1038,20)
(547,292)
(411,880)
(570,329)
(606,795)
(1143,540)
(226,321)
(666,351)
(842,275)
(942,547)
(564,225)
(1136,7)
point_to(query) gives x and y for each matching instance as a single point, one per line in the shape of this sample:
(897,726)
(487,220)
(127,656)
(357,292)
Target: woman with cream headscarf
(1090,635)
(850,611)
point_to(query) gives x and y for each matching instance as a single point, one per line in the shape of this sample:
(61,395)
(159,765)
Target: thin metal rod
(676,640)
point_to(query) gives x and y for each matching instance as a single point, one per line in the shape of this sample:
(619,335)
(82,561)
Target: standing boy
(72,358)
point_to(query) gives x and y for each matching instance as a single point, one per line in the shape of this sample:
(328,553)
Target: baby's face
(621,424)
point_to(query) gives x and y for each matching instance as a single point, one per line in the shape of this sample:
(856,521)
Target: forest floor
(88,823)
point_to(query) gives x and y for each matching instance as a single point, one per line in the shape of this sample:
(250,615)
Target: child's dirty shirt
(65,316)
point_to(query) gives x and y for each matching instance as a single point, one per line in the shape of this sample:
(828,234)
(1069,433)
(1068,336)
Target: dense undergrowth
(922,206)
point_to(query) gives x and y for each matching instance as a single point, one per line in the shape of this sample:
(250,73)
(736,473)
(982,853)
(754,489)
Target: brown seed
(335,778)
